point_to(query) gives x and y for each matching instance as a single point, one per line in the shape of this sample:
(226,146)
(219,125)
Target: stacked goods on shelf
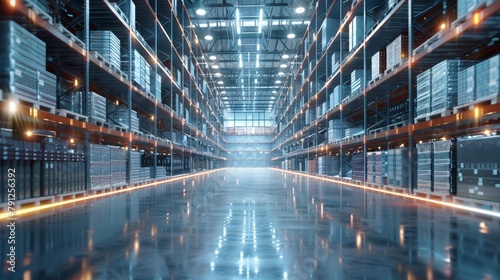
(466,85)
(156,86)
(396,51)
(358,80)
(118,167)
(444,84)
(353,131)
(140,71)
(328,29)
(399,112)
(336,130)
(312,166)
(336,61)
(397,171)
(358,163)
(310,116)
(120,117)
(464,7)
(482,79)
(138,173)
(370,167)
(424,93)
(107,45)
(128,8)
(73,102)
(356,30)
(391,3)
(378,64)
(100,166)
(319,111)
(444,168)
(322,168)
(22,73)
(424,167)
(494,75)
(478,168)
(336,97)
(381,167)
(325,107)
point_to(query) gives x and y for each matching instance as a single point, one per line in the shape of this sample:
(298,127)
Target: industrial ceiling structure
(250,47)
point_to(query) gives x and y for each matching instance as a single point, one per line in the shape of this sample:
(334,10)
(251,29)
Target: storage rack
(159,36)
(384,109)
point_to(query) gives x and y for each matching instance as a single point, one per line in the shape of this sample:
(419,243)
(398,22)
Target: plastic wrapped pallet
(336,130)
(443,166)
(356,30)
(370,167)
(424,167)
(445,84)
(357,163)
(106,44)
(336,61)
(483,79)
(128,8)
(156,86)
(398,167)
(135,66)
(358,80)
(378,64)
(328,29)
(466,85)
(396,51)
(465,7)
(353,131)
(381,167)
(424,93)
(494,76)
(336,97)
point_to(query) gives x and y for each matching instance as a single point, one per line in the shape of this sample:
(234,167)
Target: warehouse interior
(326,133)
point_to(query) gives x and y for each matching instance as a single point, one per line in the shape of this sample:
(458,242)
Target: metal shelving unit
(384,108)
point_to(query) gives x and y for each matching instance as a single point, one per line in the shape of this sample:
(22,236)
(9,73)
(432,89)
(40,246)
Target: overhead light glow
(300,10)
(223,92)
(283,65)
(258,47)
(278,82)
(215,66)
(281,73)
(275,92)
(285,56)
(212,57)
(220,82)
(261,15)
(241,61)
(209,37)
(201,12)
(12,107)
(218,74)
(290,36)
(239,42)
(257,62)
(238,28)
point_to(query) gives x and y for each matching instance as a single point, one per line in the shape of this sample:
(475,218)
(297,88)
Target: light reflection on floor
(255,223)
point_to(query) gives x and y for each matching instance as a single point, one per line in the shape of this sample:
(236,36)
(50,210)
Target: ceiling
(247,47)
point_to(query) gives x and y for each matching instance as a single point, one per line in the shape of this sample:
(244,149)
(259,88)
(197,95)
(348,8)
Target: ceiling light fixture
(220,82)
(215,66)
(300,10)
(212,57)
(285,56)
(281,73)
(218,74)
(201,12)
(241,61)
(278,82)
(209,37)
(257,62)
(238,28)
(261,16)
(289,36)
(239,42)
(283,65)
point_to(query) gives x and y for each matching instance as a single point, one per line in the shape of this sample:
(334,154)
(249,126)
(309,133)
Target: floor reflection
(255,223)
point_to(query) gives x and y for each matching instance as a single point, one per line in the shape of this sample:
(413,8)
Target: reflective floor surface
(257,224)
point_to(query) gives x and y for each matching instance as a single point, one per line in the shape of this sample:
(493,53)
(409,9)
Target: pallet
(120,12)
(38,105)
(432,195)
(71,115)
(434,115)
(42,14)
(99,122)
(488,100)
(477,203)
(69,35)
(69,196)
(118,128)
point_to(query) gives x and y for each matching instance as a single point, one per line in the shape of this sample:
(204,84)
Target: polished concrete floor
(258,224)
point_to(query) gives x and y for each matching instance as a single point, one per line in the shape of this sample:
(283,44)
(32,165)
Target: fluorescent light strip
(238,28)
(257,62)
(241,61)
(34,209)
(239,42)
(443,203)
(261,15)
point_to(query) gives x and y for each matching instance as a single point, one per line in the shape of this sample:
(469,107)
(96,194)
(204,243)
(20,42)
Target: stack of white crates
(100,166)
(118,167)
(336,61)
(494,75)
(467,85)
(328,29)
(358,81)
(378,64)
(140,70)
(352,131)
(445,84)
(310,115)
(424,93)
(336,97)
(424,165)
(120,116)
(22,72)
(107,45)
(397,174)
(356,30)
(396,51)
(336,130)
(128,8)
(442,166)
(73,102)
(138,174)
(483,79)
(156,86)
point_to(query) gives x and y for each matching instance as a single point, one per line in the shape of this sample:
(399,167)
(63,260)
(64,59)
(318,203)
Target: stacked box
(325,107)
(356,30)
(378,64)
(22,72)
(106,44)
(483,79)
(381,167)
(310,115)
(319,111)
(128,8)
(156,86)
(370,167)
(494,75)
(336,130)
(73,102)
(466,89)
(138,173)
(445,84)
(312,166)
(98,110)
(443,166)
(336,97)
(140,70)
(397,174)
(336,61)
(396,51)
(358,81)
(424,167)
(118,167)
(478,168)
(100,166)
(120,117)
(465,7)
(352,131)
(161,172)
(328,30)
(358,163)
(424,93)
